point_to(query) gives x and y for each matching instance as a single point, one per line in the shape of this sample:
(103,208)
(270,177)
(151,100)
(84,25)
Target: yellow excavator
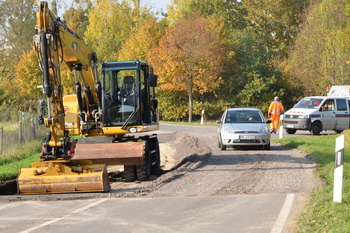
(116,109)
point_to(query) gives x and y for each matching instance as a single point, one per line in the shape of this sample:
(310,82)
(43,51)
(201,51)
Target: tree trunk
(190,98)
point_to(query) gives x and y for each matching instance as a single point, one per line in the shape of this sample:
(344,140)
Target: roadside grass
(23,155)
(321,214)
(9,126)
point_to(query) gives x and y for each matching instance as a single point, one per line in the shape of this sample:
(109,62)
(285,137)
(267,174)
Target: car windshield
(309,103)
(243,116)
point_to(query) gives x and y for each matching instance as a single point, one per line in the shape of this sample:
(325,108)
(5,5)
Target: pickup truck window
(341,105)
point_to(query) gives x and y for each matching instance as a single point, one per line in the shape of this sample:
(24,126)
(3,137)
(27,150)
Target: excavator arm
(55,43)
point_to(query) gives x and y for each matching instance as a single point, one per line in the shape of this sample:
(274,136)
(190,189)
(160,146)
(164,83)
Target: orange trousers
(275,118)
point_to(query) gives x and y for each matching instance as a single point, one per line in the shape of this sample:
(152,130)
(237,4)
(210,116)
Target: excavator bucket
(58,177)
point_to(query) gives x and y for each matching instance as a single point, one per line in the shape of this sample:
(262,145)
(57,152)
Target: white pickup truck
(318,113)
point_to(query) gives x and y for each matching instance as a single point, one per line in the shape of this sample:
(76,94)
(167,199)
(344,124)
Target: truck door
(327,114)
(342,114)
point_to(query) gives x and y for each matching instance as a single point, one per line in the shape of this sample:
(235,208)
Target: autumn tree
(229,11)
(322,48)
(276,22)
(189,58)
(28,78)
(17,24)
(77,19)
(139,43)
(111,23)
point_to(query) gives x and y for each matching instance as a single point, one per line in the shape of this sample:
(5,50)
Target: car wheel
(221,145)
(316,128)
(267,147)
(291,131)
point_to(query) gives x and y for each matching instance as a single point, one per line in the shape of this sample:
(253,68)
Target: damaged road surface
(202,190)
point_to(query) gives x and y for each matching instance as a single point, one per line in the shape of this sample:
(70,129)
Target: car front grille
(244,132)
(290,122)
(244,141)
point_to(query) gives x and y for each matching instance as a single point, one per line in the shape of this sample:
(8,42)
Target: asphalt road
(232,213)
(175,214)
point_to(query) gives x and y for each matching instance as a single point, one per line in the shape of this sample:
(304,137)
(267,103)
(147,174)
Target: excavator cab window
(120,96)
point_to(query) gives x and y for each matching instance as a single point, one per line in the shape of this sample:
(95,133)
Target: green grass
(23,156)
(321,213)
(10,170)
(9,126)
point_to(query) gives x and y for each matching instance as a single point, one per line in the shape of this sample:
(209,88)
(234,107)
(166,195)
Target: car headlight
(228,129)
(264,129)
(303,116)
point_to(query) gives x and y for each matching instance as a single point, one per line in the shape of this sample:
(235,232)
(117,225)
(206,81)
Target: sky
(157,4)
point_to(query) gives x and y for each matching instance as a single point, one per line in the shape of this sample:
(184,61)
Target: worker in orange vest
(274,112)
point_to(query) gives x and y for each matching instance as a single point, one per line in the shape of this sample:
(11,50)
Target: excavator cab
(128,91)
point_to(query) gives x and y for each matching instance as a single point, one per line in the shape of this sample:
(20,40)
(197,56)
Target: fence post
(1,139)
(338,169)
(20,133)
(33,126)
(202,117)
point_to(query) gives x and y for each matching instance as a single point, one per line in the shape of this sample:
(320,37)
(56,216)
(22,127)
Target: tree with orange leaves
(189,58)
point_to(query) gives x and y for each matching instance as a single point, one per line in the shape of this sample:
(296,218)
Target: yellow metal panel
(72,121)
(46,177)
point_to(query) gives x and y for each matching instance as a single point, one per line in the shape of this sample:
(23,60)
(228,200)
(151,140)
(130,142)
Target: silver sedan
(243,127)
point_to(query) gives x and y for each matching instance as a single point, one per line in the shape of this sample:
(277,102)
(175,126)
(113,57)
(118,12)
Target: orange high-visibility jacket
(276,108)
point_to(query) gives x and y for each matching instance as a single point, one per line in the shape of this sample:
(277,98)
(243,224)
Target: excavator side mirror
(153,80)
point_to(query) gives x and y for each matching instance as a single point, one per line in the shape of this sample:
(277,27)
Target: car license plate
(246,137)
(289,126)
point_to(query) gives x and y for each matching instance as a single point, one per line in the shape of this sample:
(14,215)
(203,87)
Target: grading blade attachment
(58,177)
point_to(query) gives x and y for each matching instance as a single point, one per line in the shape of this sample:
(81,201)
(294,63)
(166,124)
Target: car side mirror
(268,121)
(153,80)
(218,121)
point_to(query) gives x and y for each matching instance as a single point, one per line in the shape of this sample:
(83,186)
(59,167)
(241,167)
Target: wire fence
(24,131)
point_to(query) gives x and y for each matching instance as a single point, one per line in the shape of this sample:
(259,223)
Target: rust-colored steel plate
(120,153)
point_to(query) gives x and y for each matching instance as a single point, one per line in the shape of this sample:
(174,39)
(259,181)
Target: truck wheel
(129,173)
(155,158)
(338,131)
(143,172)
(291,131)
(316,128)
